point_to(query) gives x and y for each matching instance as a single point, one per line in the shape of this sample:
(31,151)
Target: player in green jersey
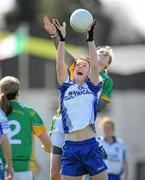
(105,55)
(106,92)
(24,124)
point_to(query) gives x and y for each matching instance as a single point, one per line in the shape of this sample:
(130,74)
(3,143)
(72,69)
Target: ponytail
(5,104)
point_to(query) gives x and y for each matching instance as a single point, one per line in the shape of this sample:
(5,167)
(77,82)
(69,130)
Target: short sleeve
(1,131)
(123,147)
(4,125)
(106,93)
(124,152)
(38,126)
(92,87)
(66,84)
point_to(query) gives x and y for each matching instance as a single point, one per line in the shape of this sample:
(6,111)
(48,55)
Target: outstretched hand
(90,33)
(49,27)
(61,30)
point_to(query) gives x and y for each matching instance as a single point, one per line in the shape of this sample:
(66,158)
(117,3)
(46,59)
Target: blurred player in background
(105,56)
(4,142)
(24,124)
(115,149)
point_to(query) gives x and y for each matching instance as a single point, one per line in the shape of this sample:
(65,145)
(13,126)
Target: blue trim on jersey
(67,125)
(4,126)
(114,140)
(124,154)
(95,107)
(95,90)
(65,85)
(1,130)
(2,112)
(65,120)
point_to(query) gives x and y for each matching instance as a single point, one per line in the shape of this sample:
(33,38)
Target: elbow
(47,146)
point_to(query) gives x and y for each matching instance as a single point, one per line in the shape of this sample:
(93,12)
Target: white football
(81,20)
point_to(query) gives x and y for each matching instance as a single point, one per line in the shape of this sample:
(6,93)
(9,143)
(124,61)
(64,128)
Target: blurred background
(28,53)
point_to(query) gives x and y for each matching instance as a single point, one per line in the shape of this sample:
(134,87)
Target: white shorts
(57,136)
(27,175)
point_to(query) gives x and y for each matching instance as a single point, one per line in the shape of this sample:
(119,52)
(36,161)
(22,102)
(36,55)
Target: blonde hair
(85,58)
(110,50)
(107,120)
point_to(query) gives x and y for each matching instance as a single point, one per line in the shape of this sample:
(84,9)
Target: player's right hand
(61,30)
(91,31)
(49,27)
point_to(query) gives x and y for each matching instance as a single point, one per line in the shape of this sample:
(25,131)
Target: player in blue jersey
(115,149)
(105,55)
(79,100)
(4,142)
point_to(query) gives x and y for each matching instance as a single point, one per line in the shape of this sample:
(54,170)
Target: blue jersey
(78,104)
(116,153)
(4,129)
(4,126)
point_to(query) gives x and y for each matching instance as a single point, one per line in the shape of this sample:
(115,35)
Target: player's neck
(79,81)
(109,139)
(100,68)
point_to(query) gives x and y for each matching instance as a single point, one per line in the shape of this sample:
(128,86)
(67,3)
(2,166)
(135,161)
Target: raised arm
(94,71)
(68,57)
(61,68)
(50,28)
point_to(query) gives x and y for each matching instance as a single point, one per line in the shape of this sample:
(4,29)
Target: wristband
(90,34)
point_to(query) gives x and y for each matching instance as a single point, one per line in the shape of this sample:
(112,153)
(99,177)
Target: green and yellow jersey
(24,124)
(107,86)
